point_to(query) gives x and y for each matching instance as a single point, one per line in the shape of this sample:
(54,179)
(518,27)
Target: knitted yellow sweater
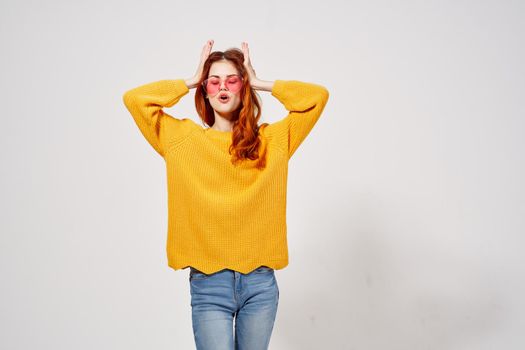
(221,215)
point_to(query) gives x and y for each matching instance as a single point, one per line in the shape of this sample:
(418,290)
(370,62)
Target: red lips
(224,97)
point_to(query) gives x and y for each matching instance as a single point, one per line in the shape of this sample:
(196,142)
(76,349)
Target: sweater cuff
(278,89)
(179,85)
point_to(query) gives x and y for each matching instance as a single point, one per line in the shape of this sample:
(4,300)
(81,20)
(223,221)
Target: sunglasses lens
(212,85)
(234,84)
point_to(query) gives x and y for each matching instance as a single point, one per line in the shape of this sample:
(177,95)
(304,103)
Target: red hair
(245,134)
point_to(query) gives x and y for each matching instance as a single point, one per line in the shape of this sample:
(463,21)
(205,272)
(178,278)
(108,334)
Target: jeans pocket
(197,275)
(263,269)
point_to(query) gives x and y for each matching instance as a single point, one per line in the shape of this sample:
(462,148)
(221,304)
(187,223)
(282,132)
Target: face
(220,79)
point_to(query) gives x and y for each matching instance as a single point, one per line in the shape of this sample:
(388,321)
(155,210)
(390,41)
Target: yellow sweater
(221,215)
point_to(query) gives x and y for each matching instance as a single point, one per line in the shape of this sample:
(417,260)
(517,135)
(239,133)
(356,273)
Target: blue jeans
(219,298)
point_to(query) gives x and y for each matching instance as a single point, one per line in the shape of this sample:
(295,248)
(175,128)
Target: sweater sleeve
(145,104)
(305,103)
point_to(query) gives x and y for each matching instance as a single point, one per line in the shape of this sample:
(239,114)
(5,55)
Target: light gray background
(405,203)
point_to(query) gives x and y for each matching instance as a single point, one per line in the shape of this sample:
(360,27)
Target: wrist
(263,85)
(191,83)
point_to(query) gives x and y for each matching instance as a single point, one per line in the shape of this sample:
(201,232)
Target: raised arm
(145,104)
(305,102)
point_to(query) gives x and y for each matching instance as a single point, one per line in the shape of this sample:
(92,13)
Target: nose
(223,85)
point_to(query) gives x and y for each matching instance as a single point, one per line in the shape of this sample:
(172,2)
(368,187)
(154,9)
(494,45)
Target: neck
(222,123)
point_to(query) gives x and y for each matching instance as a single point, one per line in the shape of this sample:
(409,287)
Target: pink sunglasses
(212,85)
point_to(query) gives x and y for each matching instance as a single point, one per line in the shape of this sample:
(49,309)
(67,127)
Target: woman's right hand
(206,50)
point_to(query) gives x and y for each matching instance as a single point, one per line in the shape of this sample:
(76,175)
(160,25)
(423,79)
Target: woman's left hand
(255,83)
(248,64)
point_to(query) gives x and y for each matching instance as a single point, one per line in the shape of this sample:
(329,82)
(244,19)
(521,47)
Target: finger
(207,48)
(204,49)
(247,53)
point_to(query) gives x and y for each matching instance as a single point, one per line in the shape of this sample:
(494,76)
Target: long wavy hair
(245,141)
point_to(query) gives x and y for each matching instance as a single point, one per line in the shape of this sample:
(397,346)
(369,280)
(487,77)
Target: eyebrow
(229,75)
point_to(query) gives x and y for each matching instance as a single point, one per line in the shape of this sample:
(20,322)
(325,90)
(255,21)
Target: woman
(227,189)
